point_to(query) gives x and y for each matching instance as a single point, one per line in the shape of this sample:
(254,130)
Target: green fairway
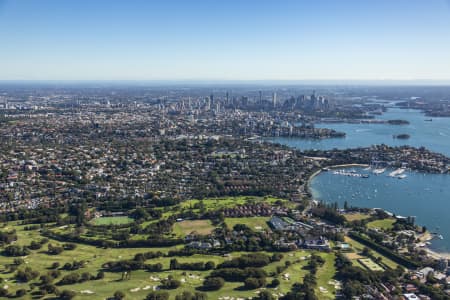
(94,258)
(255,223)
(225,202)
(325,275)
(384,224)
(141,281)
(356,216)
(200,227)
(112,220)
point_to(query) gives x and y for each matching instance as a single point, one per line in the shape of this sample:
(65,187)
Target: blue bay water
(426,196)
(434,135)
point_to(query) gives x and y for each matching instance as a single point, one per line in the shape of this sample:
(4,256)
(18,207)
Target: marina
(422,195)
(351,173)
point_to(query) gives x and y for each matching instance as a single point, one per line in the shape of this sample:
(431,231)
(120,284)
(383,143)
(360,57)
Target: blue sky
(224,40)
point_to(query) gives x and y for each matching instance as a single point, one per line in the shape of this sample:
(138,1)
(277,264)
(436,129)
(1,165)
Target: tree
(26,275)
(21,293)
(173,264)
(54,250)
(100,275)
(3,292)
(46,279)
(210,265)
(170,283)
(275,282)
(252,283)
(189,296)
(265,295)
(67,295)
(15,250)
(213,283)
(365,251)
(157,295)
(352,289)
(119,295)
(139,214)
(200,296)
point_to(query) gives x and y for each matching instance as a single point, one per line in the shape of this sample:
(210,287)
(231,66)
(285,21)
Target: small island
(403,136)
(398,122)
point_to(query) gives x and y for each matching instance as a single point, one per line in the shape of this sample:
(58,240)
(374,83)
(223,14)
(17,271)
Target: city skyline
(208,41)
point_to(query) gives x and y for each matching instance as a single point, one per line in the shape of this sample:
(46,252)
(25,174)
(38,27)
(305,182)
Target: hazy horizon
(262,82)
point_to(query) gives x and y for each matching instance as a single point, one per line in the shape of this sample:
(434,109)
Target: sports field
(254,223)
(384,224)
(112,220)
(370,264)
(356,216)
(200,227)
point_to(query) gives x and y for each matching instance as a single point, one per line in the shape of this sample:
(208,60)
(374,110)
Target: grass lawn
(255,223)
(293,274)
(359,247)
(112,220)
(353,256)
(356,216)
(94,257)
(217,203)
(370,264)
(325,274)
(141,281)
(183,228)
(384,224)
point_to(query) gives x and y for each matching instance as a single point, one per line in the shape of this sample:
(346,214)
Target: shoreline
(348,166)
(316,173)
(426,237)
(437,255)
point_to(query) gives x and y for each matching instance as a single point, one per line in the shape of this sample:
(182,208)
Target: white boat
(352,173)
(379,171)
(397,172)
(401,176)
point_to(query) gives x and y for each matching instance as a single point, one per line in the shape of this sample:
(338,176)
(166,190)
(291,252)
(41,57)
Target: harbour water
(426,196)
(434,135)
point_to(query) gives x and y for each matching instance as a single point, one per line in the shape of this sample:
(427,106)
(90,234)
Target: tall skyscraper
(208,103)
(274,99)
